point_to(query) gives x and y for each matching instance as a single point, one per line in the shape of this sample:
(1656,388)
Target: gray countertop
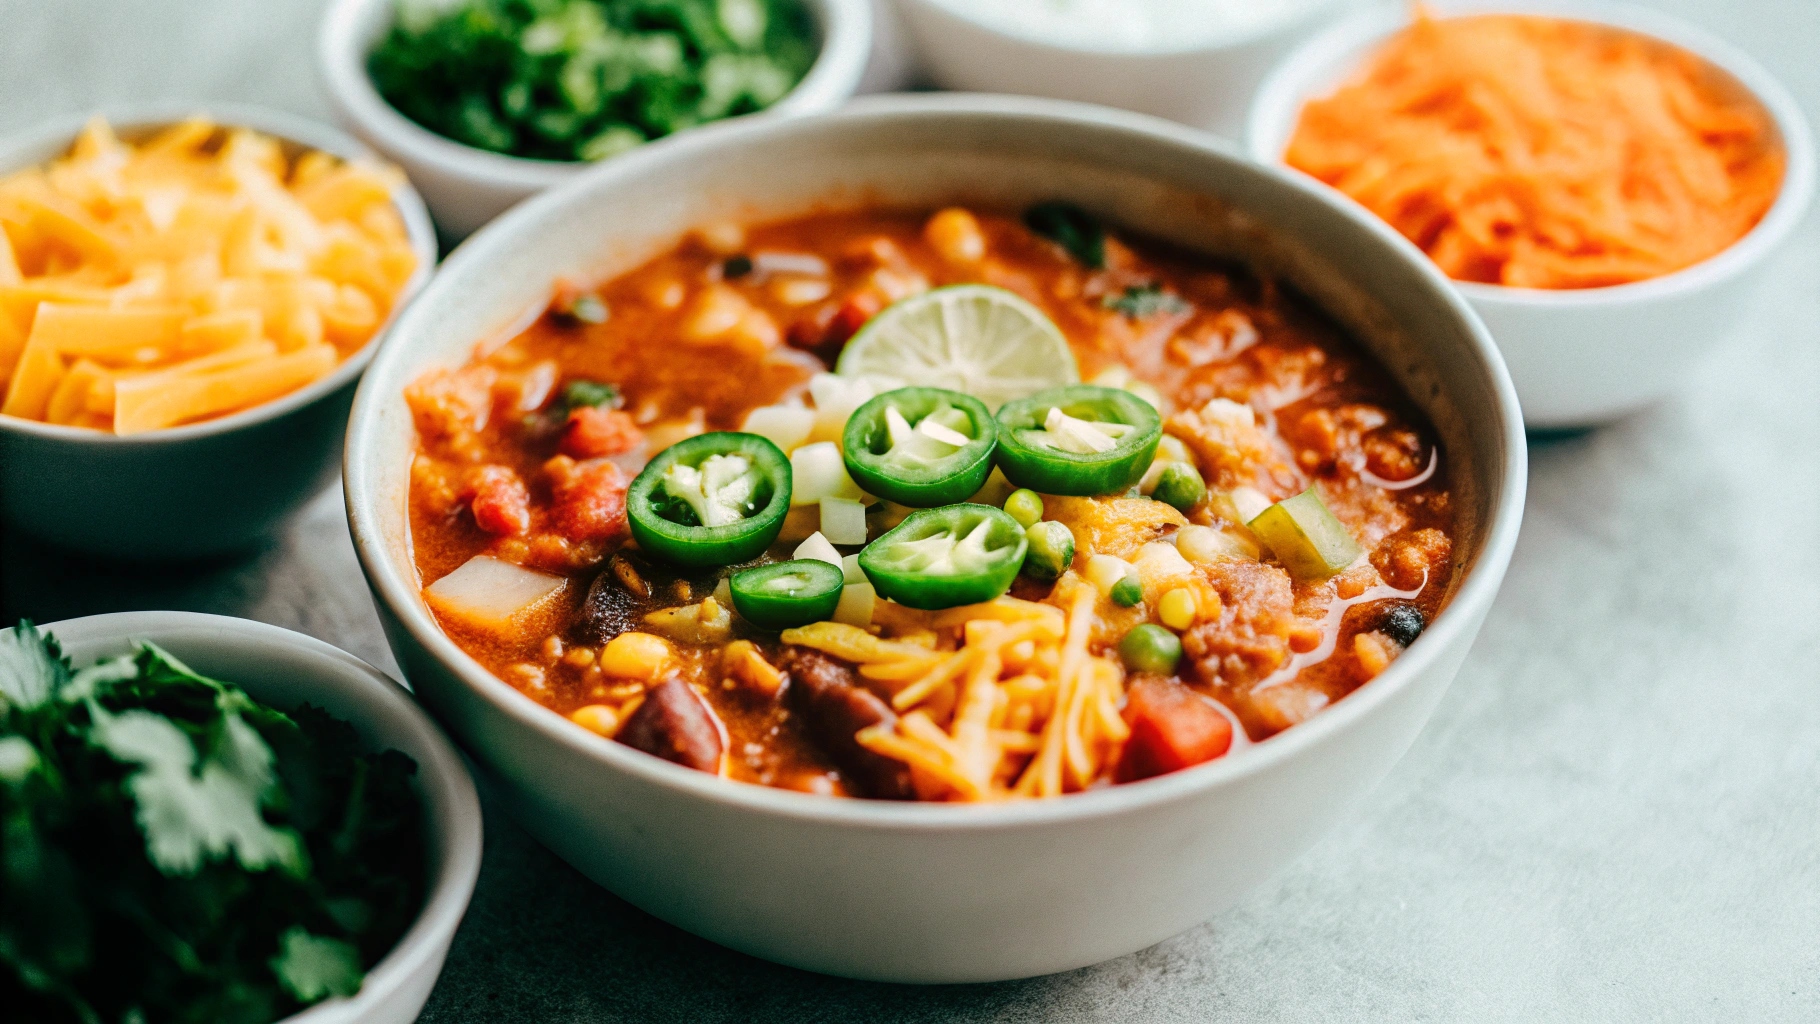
(1612,816)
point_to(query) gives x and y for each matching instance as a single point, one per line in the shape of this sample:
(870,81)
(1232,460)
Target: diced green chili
(1072,228)
(711,500)
(921,447)
(943,557)
(1081,440)
(1305,536)
(784,595)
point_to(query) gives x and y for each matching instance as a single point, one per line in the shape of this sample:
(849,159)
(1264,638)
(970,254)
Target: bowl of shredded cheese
(1602,183)
(186,303)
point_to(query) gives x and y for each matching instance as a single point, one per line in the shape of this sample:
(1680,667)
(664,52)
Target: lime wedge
(973,338)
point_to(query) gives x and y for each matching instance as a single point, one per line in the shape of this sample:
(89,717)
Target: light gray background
(1614,815)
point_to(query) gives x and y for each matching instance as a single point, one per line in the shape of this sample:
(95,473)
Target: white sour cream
(1130,25)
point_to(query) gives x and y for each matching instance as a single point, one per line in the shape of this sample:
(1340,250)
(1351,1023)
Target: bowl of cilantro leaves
(485,102)
(206,820)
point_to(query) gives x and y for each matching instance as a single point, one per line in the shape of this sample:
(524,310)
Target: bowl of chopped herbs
(206,820)
(484,102)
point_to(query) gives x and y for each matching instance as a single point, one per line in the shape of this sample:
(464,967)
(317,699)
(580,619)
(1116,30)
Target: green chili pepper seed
(1025,506)
(904,464)
(784,595)
(944,557)
(1029,454)
(744,513)
(1051,551)
(1181,486)
(1127,592)
(1151,648)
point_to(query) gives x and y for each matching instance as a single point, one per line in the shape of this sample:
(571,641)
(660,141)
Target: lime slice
(973,338)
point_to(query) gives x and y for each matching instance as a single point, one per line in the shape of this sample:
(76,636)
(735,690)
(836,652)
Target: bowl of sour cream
(1193,61)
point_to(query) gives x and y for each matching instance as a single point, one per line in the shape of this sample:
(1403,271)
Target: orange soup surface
(526,453)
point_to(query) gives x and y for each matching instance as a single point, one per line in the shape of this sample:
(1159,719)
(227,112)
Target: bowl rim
(447,791)
(399,595)
(1300,73)
(282,125)
(341,66)
(1194,45)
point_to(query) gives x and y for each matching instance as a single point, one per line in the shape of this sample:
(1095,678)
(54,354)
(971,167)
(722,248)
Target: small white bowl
(1205,82)
(934,892)
(465,186)
(1580,357)
(207,488)
(287,669)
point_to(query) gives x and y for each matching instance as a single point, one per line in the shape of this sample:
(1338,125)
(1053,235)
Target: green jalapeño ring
(1079,440)
(920,447)
(711,500)
(944,557)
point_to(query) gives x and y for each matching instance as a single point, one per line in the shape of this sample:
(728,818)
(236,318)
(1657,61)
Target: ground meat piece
(1232,450)
(1172,728)
(826,693)
(674,722)
(589,498)
(1250,639)
(595,433)
(1406,559)
(501,503)
(451,408)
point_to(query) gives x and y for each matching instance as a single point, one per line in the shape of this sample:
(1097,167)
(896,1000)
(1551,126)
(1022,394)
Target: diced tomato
(1172,728)
(860,307)
(590,498)
(501,503)
(594,433)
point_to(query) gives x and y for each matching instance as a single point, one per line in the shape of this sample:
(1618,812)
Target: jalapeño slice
(920,447)
(784,595)
(1079,440)
(711,500)
(944,557)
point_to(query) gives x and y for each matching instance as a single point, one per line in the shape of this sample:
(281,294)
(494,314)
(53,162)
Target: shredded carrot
(1544,153)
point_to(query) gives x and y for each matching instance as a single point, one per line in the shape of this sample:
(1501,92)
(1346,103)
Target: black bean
(736,267)
(608,611)
(1403,624)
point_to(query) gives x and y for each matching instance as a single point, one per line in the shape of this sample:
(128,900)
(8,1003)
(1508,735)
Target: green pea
(1180,485)
(1151,648)
(1127,592)
(1025,506)
(1051,550)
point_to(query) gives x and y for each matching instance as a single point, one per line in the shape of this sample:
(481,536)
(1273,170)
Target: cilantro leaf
(1072,228)
(1140,301)
(32,667)
(311,967)
(587,392)
(190,816)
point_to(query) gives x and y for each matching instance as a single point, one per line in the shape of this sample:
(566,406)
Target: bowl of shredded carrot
(1602,182)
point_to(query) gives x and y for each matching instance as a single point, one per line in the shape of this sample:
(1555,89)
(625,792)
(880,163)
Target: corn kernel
(956,236)
(634,656)
(596,718)
(1177,609)
(741,660)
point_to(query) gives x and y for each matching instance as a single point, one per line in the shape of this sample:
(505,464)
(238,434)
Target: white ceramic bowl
(206,488)
(1585,356)
(1205,82)
(466,187)
(287,669)
(939,893)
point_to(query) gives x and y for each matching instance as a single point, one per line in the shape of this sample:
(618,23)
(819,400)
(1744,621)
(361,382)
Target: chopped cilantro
(173,850)
(587,392)
(1140,301)
(1072,228)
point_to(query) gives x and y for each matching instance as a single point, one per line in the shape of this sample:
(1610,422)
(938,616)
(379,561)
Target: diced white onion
(786,426)
(723,592)
(835,399)
(789,263)
(1249,502)
(818,472)
(843,520)
(850,567)
(857,601)
(1161,560)
(492,594)
(818,547)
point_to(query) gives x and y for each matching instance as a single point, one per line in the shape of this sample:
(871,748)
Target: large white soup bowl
(939,893)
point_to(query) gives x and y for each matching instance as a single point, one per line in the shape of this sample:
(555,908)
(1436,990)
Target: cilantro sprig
(1140,301)
(173,850)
